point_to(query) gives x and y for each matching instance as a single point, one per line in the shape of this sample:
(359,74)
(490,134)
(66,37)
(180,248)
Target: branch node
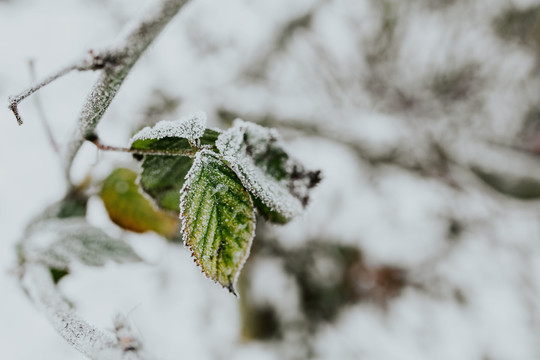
(13,107)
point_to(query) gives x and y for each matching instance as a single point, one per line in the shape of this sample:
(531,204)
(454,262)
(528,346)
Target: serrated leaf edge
(185,233)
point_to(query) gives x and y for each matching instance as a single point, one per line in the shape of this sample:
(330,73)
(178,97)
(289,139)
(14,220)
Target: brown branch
(188,152)
(94,63)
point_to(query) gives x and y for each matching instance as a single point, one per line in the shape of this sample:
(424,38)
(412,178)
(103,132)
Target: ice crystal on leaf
(190,127)
(218,219)
(279,183)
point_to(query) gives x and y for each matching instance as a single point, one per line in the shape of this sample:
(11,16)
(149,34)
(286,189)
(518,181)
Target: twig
(137,36)
(188,152)
(94,63)
(41,112)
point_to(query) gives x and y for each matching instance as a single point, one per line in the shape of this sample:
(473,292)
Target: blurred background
(421,242)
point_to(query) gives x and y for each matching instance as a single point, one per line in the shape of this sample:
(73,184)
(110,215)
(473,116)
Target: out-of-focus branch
(41,112)
(94,63)
(86,338)
(392,156)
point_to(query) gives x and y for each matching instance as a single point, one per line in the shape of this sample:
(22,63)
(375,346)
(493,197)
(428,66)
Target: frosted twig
(136,37)
(41,112)
(96,62)
(37,282)
(86,338)
(188,152)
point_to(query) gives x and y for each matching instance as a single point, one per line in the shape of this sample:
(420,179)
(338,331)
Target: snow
(476,293)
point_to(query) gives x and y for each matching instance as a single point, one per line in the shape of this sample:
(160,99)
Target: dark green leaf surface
(162,177)
(218,219)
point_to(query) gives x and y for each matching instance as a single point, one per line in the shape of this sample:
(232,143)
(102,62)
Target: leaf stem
(188,152)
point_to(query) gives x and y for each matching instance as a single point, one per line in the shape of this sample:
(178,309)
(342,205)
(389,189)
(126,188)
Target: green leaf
(59,242)
(517,186)
(129,209)
(178,135)
(280,184)
(163,176)
(218,219)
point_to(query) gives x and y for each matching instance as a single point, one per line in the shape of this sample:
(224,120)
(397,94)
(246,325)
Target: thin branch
(41,112)
(136,37)
(91,341)
(94,63)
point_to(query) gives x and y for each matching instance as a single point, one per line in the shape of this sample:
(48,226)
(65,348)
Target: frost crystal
(190,127)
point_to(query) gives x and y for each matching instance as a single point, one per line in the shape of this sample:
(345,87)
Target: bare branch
(94,63)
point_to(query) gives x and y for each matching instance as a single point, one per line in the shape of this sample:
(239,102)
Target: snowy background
(422,241)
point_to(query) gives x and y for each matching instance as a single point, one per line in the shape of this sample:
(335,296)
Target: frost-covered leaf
(269,214)
(162,176)
(175,135)
(129,209)
(280,184)
(59,242)
(218,219)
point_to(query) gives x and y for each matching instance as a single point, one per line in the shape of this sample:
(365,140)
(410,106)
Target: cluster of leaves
(216,182)
(212,182)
